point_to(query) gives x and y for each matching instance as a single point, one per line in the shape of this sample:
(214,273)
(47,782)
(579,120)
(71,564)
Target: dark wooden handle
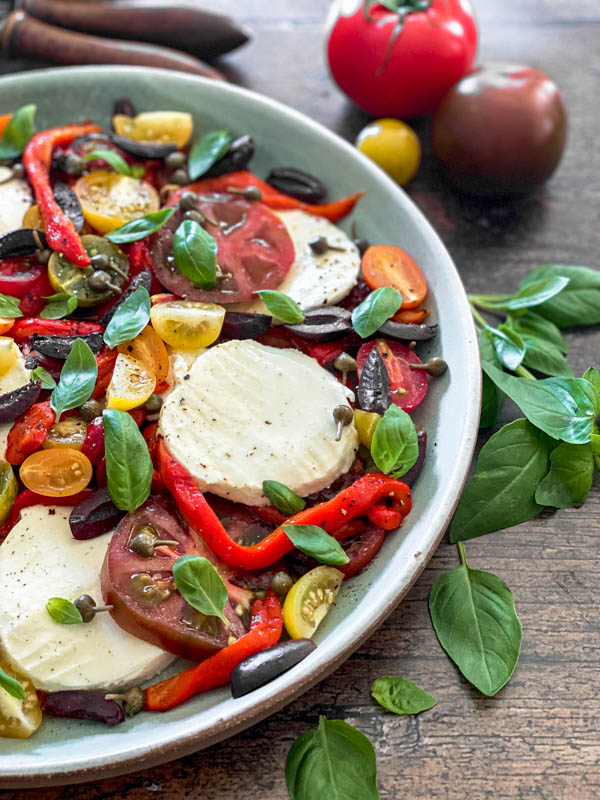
(25,36)
(203,33)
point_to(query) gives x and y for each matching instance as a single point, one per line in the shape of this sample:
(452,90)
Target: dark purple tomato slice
(408,386)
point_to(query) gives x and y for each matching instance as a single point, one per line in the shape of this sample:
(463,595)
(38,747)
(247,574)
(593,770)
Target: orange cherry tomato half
(56,473)
(410,316)
(386,265)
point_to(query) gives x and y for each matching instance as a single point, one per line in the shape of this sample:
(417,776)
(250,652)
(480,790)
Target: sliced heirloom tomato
(387,265)
(408,386)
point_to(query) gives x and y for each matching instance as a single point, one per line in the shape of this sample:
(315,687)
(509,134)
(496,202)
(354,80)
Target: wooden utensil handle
(200,32)
(25,36)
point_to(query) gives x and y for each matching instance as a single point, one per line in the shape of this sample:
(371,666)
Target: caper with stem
(342,415)
(319,245)
(188,201)
(434,367)
(195,215)
(133,700)
(248,192)
(100,281)
(42,256)
(90,410)
(86,605)
(345,363)
(146,540)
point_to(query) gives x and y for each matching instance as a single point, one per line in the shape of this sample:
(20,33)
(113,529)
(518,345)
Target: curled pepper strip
(265,630)
(37,159)
(362,498)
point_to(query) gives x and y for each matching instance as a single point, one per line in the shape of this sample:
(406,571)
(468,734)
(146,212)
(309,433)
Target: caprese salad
(205,398)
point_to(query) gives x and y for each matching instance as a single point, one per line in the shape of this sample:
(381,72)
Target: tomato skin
(387,265)
(28,432)
(434,49)
(397,358)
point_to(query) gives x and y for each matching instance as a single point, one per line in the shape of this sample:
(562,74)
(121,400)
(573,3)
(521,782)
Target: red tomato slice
(386,265)
(18,276)
(397,358)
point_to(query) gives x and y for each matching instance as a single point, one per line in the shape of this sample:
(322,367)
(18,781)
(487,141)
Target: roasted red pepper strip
(271,197)
(25,328)
(106,363)
(37,158)
(265,630)
(28,432)
(359,499)
(28,498)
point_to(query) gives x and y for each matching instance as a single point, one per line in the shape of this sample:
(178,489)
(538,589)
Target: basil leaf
(116,161)
(509,347)
(77,379)
(130,318)
(128,465)
(42,375)
(537,327)
(569,481)
(18,132)
(206,152)
(60,305)
(284,499)
(317,543)
(9,306)
(578,303)
(501,493)
(281,306)
(374,310)
(63,611)
(11,685)
(195,254)
(545,358)
(395,447)
(141,227)
(200,585)
(564,408)
(334,760)
(475,620)
(401,696)
(534,293)
(595,443)
(591,375)
(492,398)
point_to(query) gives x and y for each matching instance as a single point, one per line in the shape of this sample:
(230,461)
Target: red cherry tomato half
(386,265)
(18,276)
(396,357)
(361,550)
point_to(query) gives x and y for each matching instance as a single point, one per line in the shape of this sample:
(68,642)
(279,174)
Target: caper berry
(195,216)
(153,403)
(188,201)
(90,410)
(318,244)
(73,165)
(43,256)
(175,160)
(180,177)
(146,540)
(281,583)
(147,590)
(434,367)
(18,170)
(87,607)
(342,415)
(100,261)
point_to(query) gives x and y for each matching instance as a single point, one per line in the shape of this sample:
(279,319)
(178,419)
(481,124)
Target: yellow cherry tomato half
(392,145)
(365,423)
(187,325)
(158,127)
(69,432)
(309,600)
(9,353)
(150,349)
(109,200)
(8,489)
(56,473)
(131,384)
(33,219)
(19,718)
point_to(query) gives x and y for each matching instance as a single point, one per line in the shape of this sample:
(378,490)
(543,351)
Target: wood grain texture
(539,738)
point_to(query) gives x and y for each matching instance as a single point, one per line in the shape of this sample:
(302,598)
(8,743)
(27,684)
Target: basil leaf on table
(43,376)
(591,375)
(374,310)
(11,685)
(333,760)
(564,408)
(77,379)
(395,446)
(578,303)
(569,481)
(545,358)
(60,305)
(9,306)
(200,585)
(116,161)
(537,327)
(509,346)
(141,227)
(130,318)
(63,611)
(475,620)
(533,294)
(281,306)
(206,152)
(283,498)
(18,132)
(401,696)
(492,398)
(317,543)
(501,493)
(128,465)
(195,254)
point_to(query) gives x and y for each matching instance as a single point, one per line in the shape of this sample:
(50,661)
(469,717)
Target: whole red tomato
(501,130)
(398,58)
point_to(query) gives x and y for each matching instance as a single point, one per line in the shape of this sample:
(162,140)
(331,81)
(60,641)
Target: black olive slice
(373,391)
(94,515)
(297,183)
(69,202)
(15,403)
(124,106)
(143,149)
(143,278)
(238,325)
(22,242)
(402,332)
(238,154)
(260,668)
(60,346)
(325,323)
(81,704)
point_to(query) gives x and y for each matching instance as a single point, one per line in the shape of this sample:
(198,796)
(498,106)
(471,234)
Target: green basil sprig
(375,309)
(283,498)
(315,542)
(200,585)
(578,303)
(128,465)
(509,346)
(60,305)
(18,132)
(130,318)
(492,398)
(11,685)
(395,446)
(531,294)
(9,307)
(569,480)
(77,379)
(117,162)
(281,306)
(195,254)
(141,227)
(333,760)
(42,375)
(63,611)
(401,696)
(207,151)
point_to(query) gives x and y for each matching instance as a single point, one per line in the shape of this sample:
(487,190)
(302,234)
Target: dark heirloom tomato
(501,130)
(412,383)
(254,250)
(141,589)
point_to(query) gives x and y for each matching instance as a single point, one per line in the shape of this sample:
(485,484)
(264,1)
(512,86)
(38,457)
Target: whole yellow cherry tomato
(393,146)
(56,473)
(109,200)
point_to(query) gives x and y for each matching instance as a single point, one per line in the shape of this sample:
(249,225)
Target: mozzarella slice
(40,559)
(18,375)
(314,280)
(246,413)
(15,199)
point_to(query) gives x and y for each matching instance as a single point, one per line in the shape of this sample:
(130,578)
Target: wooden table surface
(539,737)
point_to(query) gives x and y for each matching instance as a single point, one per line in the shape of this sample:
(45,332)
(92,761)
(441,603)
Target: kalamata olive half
(15,403)
(403,332)
(297,183)
(373,391)
(124,106)
(143,149)
(238,325)
(143,278)
(60,346)
(22,242)
(94,515)
(260,668)
(413,473)
(69,202)
(323,324)
(80,704)
(238,155)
